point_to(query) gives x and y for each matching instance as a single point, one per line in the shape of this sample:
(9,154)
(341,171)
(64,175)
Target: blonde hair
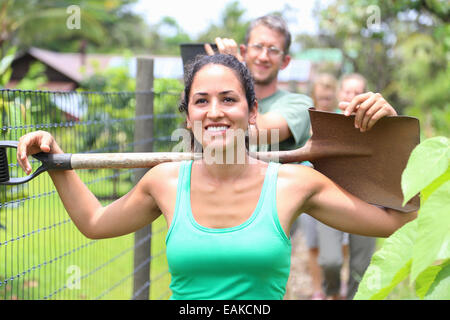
(356,76)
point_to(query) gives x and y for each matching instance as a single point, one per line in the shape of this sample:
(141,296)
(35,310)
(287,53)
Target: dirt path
(299,283)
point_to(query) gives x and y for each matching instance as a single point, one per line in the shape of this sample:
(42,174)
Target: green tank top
(250,261)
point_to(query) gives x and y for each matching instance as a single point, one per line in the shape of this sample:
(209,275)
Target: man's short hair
(273,22)
(356,76)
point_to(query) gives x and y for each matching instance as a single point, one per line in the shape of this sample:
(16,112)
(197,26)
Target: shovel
(368,165)
(190,50)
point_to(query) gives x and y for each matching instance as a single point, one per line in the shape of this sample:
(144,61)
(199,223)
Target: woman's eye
(200,101)
(229,99)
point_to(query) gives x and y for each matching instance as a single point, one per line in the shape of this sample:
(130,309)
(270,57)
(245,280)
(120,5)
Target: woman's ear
(188,123)
(253,114)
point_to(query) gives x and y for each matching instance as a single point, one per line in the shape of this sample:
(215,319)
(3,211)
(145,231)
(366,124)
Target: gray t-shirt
(294,109)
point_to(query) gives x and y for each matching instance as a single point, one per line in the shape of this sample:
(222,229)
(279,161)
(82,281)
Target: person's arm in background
(225,46)
(289,115)
(269,122)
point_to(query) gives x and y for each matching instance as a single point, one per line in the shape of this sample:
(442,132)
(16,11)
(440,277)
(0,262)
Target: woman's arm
(336,207)
(125,215)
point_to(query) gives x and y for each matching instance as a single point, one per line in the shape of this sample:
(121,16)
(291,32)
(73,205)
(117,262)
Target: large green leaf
(440,289)
(389,265)
(426,279)
(433,237)
(434,185)
(428,161)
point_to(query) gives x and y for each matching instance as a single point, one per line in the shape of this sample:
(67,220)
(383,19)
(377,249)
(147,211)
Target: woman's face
(218,108)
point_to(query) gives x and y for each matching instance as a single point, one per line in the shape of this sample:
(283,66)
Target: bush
(421,248)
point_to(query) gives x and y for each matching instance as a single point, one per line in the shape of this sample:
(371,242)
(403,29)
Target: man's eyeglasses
(271,51)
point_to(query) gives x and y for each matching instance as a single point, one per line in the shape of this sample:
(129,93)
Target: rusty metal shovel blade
(376,177)
(368,165)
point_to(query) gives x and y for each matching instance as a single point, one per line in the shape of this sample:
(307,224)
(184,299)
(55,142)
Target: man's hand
(368,108)
(225,46)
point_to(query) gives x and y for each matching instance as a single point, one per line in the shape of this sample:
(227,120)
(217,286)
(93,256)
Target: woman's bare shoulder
(163,173)
(167,168)
(299,176)
(291,170)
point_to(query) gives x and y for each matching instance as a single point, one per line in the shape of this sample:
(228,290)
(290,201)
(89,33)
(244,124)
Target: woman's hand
(32,143)
(368,108)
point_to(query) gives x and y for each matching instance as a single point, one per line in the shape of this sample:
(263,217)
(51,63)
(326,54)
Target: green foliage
(166,36)
(25,108)
(112,79)
(105,26)
(5,66)
(231,25)
(440,287)
(401,47)
(420,249)
(35,78)
(168,118)
(114,105)
(429,161)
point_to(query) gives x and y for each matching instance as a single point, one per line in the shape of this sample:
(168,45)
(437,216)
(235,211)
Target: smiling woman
(215,99)
(228,222)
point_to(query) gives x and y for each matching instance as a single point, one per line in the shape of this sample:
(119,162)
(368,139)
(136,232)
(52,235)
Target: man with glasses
(282,115)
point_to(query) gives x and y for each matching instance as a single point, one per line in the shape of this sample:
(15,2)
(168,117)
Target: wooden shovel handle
(127,160)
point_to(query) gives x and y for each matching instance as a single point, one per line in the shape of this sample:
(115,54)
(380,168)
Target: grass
(44,256)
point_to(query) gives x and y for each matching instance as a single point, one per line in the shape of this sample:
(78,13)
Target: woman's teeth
(216,128)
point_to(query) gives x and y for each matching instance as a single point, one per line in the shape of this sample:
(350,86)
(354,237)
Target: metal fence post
(143,135)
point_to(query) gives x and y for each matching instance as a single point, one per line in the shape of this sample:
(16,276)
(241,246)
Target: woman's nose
(215,110)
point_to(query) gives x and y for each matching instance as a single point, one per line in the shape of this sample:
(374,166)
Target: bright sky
(195,16)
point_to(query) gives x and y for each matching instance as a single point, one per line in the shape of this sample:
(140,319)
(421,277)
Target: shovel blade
(375,178)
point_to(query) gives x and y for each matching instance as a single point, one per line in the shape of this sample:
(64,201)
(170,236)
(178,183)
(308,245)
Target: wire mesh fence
(42,254)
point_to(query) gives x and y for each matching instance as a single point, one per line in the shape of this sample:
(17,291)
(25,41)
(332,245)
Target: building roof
(71,65)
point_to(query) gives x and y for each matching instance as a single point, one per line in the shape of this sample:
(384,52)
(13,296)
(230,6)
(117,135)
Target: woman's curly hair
(226,60)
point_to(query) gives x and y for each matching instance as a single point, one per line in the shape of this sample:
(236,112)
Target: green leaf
(426,279)
(6,62)
(433,235)
(434,185)
(389,265)
(440,289)
(5,77)
(428,161)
